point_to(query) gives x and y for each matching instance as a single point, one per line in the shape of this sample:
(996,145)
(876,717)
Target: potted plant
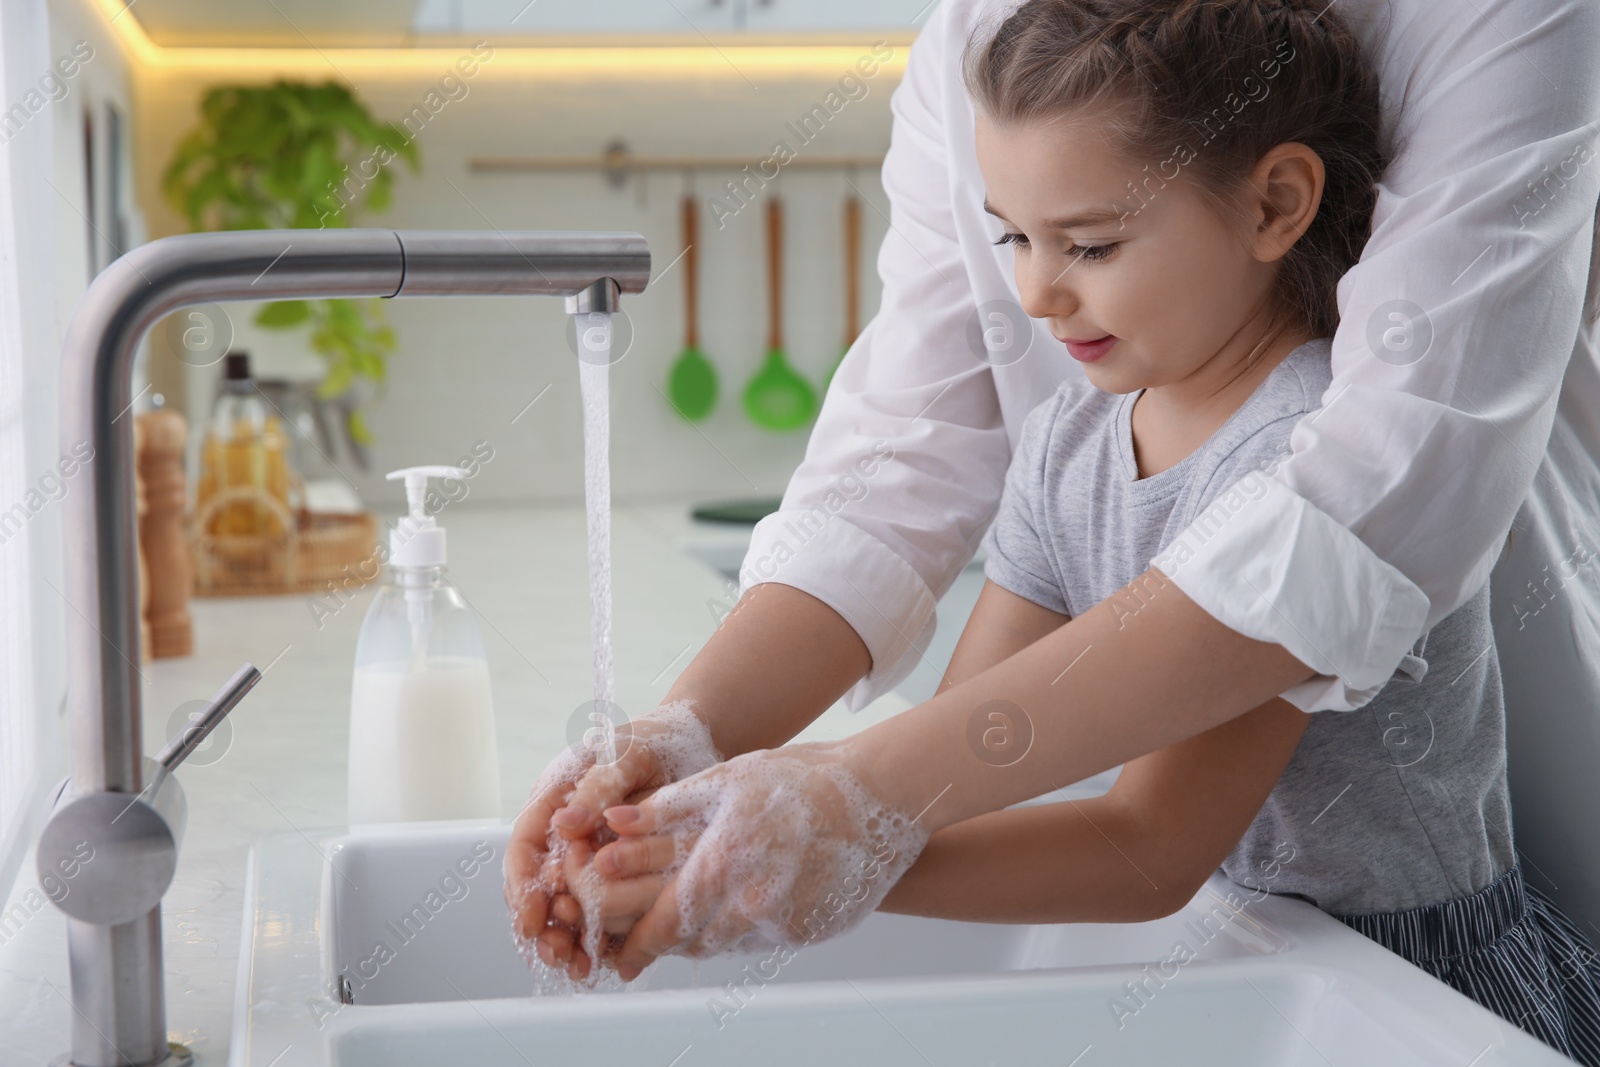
(296,155)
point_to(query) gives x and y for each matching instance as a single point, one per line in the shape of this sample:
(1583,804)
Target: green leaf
(358,427)
(399,141)
(281,314)
(344,316)
(378,194)
(338,380)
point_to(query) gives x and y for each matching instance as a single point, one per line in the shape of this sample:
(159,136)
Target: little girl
(1184,182)
(1236,147)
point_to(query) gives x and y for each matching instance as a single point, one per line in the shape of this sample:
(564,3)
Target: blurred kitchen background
(509,114)
(715,84)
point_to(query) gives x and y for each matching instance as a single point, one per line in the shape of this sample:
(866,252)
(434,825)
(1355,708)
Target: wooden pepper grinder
(163,533)
(139,508)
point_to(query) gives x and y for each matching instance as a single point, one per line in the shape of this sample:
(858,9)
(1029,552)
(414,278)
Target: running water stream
(594,372)
(593,330)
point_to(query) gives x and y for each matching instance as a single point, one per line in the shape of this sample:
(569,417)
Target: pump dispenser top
(417,540)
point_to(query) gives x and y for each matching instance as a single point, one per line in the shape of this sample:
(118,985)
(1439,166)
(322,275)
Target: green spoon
(777,398)
(692,383)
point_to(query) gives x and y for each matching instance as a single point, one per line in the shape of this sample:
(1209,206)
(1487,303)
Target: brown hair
(1207,87)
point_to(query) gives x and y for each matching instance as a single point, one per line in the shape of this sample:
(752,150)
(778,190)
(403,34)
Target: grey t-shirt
(1395,805)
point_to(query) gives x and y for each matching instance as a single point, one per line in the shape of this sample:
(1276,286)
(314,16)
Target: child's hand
(616,883)
(770,847)
(531,878)
(566,803)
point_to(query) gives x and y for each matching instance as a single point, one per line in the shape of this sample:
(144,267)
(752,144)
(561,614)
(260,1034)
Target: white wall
(465,368)
(47,221)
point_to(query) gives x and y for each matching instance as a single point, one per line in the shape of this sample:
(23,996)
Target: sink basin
(377,887)
(390,946)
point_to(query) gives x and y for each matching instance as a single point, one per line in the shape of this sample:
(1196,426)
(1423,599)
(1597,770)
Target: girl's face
(1132,257)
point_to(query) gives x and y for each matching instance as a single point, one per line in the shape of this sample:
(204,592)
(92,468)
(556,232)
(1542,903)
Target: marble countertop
(282,767)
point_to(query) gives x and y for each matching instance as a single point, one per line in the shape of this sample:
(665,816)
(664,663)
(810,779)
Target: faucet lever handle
(225,700)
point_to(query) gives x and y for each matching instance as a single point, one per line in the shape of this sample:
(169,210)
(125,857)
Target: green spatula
(777,398)
(692,383)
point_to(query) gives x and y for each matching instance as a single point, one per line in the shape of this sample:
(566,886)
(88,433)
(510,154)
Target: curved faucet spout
(97,367)
(117,969)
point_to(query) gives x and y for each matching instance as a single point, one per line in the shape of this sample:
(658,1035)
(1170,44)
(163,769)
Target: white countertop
(283,769)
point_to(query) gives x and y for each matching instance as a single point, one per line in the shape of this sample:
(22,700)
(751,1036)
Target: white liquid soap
(422,736)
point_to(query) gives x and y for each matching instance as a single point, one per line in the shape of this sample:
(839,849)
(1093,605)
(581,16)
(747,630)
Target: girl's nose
(1045,290)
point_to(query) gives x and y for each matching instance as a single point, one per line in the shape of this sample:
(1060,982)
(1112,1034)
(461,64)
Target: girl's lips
(1089,351)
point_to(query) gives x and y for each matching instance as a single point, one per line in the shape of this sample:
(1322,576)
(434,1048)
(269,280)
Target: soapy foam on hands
(828,854)
(681,745)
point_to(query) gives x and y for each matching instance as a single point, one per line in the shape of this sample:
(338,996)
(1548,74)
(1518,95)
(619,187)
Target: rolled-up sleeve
(882,556)
(1456,329)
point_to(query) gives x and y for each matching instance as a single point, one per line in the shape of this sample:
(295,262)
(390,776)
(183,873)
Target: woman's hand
(554,836)
(772,847)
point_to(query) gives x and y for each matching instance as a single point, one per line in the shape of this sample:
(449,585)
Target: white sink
(1276,983)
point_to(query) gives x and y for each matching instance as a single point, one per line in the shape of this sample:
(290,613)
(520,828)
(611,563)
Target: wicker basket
(311,550)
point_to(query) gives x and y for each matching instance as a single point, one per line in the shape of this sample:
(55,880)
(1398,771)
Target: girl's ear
(1287,186)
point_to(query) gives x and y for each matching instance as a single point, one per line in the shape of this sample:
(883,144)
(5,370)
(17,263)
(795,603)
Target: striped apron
(1509,948)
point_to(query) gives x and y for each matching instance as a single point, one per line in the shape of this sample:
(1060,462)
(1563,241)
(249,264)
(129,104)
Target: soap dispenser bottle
(422,738)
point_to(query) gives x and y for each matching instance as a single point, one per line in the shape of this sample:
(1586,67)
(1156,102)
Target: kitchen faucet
(118,819)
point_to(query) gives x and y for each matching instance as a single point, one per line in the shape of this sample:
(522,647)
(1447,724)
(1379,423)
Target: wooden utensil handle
(691,279)
(852,268)
(775,271)
(161,436)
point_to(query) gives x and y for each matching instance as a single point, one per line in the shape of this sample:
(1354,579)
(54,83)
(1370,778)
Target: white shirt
(1401,488)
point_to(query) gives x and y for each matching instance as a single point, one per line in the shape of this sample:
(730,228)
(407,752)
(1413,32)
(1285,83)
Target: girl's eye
(1089,253)
(1094,253)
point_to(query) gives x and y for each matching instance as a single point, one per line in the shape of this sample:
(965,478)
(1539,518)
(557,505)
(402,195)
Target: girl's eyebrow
(1087,218)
